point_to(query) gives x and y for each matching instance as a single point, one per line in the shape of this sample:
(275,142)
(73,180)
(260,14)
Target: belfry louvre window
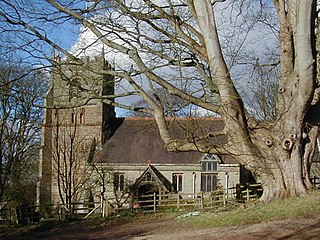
(118,180)
(73,88)
(73,118)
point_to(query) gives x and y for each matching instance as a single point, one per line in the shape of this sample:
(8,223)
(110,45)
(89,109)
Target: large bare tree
(183,47)
(20,124)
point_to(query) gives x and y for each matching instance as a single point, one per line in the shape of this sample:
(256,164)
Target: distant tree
(262,92)
(21,92)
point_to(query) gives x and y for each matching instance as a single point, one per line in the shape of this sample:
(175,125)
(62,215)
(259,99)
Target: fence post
(10,216)
(178,200)
(202,200)
(154,202)
(248,195)
(103,202)
(107,206)
(59,212)
(159,197)
(224,197)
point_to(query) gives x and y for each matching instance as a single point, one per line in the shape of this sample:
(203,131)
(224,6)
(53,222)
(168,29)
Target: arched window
(209,182)
(148,177)
(177,181)
(209,163)
(72,118)
(118,180)
(55,114)
(81,118)
(209,176)
(74,84)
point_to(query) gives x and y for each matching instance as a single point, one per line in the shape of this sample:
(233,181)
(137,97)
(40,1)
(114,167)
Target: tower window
(81,118)
(73,88)
(72,118)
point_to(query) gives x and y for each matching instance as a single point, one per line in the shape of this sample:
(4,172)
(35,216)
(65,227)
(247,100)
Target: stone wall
(191,175)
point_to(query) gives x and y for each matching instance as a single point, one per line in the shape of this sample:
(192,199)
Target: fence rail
(145,203)
(155,202)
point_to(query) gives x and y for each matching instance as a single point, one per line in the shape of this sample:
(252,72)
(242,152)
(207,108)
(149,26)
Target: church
(89,153)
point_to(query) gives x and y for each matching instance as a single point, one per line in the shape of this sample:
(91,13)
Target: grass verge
(291,208)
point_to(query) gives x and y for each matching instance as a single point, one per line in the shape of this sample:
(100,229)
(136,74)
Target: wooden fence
(156,202)
(315,181)
(146,203)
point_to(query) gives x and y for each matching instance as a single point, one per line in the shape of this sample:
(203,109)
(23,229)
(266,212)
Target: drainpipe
(194,184)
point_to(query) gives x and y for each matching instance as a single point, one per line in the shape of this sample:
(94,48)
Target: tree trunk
(282,179)
(278,162)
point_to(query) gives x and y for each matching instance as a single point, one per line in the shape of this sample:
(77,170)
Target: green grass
(291,208)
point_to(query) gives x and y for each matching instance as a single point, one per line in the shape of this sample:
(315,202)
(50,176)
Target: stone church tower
(77,122)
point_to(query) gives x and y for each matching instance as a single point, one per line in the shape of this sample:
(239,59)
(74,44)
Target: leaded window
(118,181)
(209,166)
(209,163)
(208,182)
(177,179)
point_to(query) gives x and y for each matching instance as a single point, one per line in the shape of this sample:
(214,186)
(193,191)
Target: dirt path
(174,230)
(294,229)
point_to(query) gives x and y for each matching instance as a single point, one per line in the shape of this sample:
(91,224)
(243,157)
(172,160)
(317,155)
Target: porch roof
(163,183)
